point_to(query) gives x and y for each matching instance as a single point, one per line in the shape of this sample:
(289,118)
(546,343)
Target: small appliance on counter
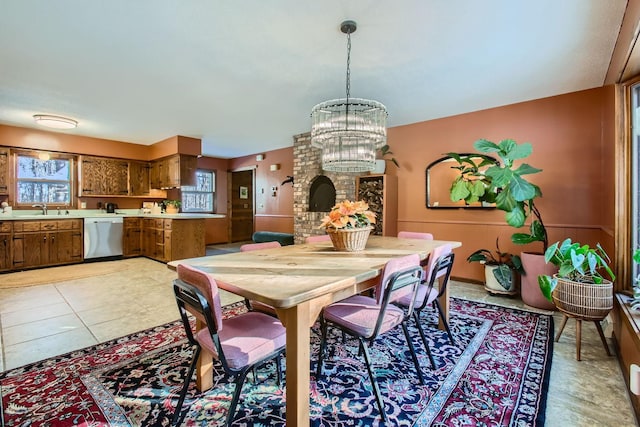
(111,207)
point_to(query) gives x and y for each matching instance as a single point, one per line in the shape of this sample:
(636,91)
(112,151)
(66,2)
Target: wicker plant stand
(583,301)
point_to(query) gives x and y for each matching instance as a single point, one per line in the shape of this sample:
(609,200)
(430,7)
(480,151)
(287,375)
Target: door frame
(230,198)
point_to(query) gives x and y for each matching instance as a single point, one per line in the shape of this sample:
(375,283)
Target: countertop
(96,213)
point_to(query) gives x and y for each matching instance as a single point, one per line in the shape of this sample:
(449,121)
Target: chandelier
(349,130)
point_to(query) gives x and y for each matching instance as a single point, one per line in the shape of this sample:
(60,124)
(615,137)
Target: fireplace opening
(322,194)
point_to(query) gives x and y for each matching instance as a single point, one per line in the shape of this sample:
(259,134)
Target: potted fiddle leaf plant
(381,163)
(583,285)
(504,183)
(500,269)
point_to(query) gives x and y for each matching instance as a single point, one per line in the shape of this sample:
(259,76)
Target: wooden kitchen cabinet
(103,176)
(174,171)
(139,184)
(170,239)
(381,193)
(132,237)
(5,169)
(48,242)
(6,228)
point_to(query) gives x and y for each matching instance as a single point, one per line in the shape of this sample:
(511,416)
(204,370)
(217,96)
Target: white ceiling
(243,75)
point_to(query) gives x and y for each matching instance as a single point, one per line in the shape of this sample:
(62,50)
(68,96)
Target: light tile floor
(47,320)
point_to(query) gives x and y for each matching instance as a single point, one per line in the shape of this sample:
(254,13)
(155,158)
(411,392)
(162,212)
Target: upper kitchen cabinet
(139,178)
(4,170)
(102,176)
(174,171)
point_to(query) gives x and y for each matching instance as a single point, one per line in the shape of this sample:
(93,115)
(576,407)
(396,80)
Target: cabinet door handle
(45,238)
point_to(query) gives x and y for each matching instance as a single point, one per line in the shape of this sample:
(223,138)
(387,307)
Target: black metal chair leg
(413,352)
(279,368)
(236,396)
(416,318)
(444,321)
(323,345)
(372,378)
(177,418)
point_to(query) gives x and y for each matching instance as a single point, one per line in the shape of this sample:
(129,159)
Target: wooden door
(241,205)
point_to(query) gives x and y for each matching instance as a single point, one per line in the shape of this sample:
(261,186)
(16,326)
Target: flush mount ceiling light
(349,130)
(55,122)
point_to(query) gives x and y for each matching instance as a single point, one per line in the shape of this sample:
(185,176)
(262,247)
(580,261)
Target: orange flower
(348,214)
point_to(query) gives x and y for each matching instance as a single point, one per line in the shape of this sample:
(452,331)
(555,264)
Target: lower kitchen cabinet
(44,243)
(170,239)
(132,237)
(5,245)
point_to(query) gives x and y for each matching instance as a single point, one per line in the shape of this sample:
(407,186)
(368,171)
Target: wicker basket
(350,240)
(584,300)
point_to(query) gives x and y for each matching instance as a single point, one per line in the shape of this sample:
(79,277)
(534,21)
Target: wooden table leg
(204,366)
(564,323)
(297,321)
(444,304)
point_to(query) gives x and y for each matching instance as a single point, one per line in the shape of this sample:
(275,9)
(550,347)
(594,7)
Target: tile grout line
(76,314)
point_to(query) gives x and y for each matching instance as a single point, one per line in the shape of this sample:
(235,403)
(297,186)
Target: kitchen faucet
(43,206)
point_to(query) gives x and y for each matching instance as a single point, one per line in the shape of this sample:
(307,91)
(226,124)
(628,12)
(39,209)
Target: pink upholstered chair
(438,270)
(239,343)
(366,318)
(257,246)
(318,239)
(257,305)
(414,235)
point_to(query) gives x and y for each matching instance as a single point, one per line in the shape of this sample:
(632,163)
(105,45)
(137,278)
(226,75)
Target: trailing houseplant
(386,151)
(500,268)
(583,286)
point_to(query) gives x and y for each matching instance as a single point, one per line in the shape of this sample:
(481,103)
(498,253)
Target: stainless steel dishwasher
(102,236)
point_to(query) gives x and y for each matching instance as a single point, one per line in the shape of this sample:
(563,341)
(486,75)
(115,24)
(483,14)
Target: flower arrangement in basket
(349,224)
(579,288)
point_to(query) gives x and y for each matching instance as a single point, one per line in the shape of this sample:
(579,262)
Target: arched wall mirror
(440,174)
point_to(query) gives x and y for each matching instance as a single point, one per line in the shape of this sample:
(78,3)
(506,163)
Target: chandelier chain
(348,64)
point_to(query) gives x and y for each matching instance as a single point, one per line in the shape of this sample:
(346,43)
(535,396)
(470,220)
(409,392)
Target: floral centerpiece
(349,224)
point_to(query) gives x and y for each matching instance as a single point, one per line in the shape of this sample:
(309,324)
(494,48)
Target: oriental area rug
(495,375)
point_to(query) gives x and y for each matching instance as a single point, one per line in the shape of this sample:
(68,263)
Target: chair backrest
(400,275)
(433,258)
(392,266)
(206,286)
(414,235)
(257,246)
(440,271)
(318,239)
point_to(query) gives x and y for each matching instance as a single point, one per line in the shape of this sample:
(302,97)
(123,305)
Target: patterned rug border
(117,416)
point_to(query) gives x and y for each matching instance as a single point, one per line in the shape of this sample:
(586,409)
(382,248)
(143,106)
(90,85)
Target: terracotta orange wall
(572,137)
(272,213)
(68,143)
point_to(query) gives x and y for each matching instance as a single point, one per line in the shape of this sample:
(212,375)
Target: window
(200,197)
(40,180)
(635,172)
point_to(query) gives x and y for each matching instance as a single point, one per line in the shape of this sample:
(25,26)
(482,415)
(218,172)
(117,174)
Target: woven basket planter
(349,240)
(583,300)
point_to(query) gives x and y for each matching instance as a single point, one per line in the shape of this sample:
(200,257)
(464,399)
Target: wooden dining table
(298,281)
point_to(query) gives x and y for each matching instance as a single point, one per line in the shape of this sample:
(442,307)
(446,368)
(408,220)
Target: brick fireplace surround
(307,166)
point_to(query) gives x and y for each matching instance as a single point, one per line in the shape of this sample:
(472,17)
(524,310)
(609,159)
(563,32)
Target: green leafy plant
(176,203)
(504,261)
(386,151)
(575,262)
(502,183)
(635,303)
